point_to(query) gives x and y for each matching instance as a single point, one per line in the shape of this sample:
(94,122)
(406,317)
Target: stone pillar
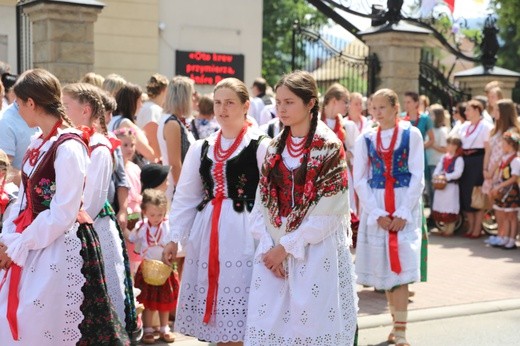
(476,79)
(398,49)
(63,36)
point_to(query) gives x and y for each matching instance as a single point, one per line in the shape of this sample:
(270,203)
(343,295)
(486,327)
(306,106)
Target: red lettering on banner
(209,68)
(222,57)
(199,56)
(202,79)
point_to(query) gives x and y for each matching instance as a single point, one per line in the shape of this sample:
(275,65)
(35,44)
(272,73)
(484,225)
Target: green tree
(278,19)
(508,12)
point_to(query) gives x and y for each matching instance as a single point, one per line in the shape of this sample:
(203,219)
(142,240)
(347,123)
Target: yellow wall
(8,33)
(126,39)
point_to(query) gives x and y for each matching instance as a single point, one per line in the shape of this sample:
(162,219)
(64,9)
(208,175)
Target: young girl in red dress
(151,237)
(506,193)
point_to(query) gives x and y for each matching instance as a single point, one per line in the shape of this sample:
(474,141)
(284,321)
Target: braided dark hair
(303,85)
(44,89)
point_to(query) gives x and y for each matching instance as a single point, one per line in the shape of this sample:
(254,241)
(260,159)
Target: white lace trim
(114,264)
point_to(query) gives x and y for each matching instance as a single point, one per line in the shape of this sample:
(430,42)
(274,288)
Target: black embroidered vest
(241,174)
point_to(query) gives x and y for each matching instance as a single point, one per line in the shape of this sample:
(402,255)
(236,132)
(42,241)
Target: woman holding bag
(474,134)
(209,216)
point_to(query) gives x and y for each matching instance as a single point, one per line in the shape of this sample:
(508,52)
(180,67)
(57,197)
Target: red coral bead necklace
(221,154)
(295,149)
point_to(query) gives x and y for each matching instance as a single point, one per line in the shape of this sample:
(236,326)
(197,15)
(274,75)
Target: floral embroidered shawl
(326,176)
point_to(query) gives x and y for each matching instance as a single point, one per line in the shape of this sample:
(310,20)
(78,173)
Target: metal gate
(434,84)
(332,60)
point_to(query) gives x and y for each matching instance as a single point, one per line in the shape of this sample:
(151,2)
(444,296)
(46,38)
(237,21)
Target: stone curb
(374,321)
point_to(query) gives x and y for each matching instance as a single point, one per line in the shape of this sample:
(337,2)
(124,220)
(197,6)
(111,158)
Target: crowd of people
(230,214)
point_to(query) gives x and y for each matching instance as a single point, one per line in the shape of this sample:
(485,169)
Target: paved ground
(465,278)
(497,328)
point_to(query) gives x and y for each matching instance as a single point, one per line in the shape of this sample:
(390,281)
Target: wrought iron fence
(333,60)
(434,83)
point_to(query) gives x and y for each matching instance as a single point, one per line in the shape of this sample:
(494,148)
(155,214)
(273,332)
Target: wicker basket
(439,182)
(155,273)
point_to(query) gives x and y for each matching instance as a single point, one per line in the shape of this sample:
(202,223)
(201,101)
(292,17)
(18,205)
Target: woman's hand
(169,253)
(279,271)
(5,261)
(122,218)
(397,224)
(487,174)
(273,260)
(384,222)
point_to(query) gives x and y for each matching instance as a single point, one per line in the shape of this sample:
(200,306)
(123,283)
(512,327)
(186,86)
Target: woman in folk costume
(388,177)
(53,292)
(84,105)
(335,106)
(209,216)
(303,286)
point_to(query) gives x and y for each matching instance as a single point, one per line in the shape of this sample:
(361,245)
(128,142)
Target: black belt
(474,152)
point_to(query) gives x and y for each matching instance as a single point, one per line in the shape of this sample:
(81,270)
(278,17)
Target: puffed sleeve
(352,132)
(439,167)
(515,167)
(99,175)
(188,194)
(322,220)
(261,151)
(257,225)
(361,177)
(134,235)
(416,168)
(71,166)
(457,171)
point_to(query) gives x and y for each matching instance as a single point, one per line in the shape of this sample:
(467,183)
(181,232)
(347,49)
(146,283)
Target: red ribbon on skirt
(22,221)
(387,156)
(213,258)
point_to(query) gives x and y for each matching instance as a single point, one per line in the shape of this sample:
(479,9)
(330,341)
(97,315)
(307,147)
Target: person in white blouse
(147,118)
(303,271)
(209,217)
(474,134)
(54,288)
(355,113)
(389,180)
(446,204)
(84,105)
(334,108)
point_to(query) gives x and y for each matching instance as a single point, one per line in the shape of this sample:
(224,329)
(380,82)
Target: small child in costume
(506,193)
(151,235)
(8,190)
(133,174)
(446,205)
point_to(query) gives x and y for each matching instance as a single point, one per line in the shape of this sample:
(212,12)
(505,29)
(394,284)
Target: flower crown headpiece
(124,131)
(514,136)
